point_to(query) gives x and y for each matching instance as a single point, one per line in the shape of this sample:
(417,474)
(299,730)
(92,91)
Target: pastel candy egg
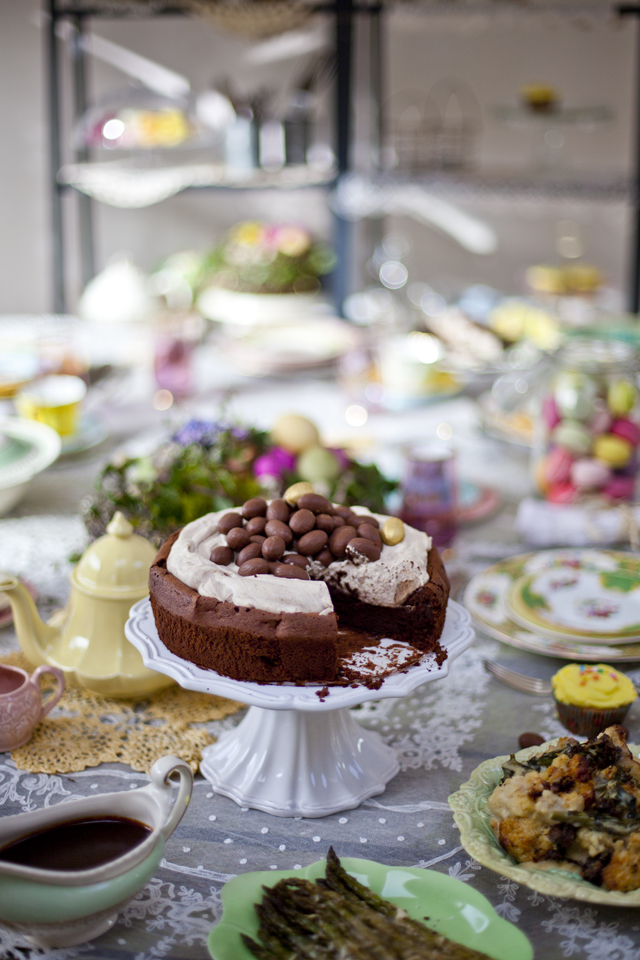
(550,412)
(612,450)
(562,493)
(621,397)
(573,436)
(540,476)
(620,488)
(601,420)
(558,465)
(574,396)
(626,429)
(589,474)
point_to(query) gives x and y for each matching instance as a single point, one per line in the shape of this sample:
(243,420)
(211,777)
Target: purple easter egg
(620,488)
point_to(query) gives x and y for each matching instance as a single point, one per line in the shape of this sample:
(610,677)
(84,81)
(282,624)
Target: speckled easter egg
(295,433)
(558,465)
(573,436)
(621,397)
(316,463)
(626,429)
(574,395)
(562,493)
(589,474)
(620,488)
(612,450)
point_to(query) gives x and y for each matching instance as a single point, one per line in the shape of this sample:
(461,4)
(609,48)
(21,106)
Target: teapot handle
(53,699)
(160,774)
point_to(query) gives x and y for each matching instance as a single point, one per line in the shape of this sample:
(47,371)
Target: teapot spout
(33,635)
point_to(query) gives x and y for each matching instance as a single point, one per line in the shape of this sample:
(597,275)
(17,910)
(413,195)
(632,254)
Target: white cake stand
(298,752)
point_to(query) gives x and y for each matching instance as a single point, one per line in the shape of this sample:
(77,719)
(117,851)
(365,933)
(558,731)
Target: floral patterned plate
(585,604)
(486,599)
(477,837)
(453,908)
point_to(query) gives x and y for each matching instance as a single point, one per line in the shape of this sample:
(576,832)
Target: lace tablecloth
(441,732)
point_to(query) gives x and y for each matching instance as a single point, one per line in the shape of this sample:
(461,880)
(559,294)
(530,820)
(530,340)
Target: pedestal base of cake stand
(293,763)
(298,752)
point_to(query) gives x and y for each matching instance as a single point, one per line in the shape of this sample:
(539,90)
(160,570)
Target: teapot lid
(117,564)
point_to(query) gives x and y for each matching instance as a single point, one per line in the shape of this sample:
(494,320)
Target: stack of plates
(580,604)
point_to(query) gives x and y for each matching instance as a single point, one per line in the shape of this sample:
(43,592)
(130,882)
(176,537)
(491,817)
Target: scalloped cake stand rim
(140,630)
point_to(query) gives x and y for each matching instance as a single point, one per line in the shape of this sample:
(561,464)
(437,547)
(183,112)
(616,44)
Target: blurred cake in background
(279,264)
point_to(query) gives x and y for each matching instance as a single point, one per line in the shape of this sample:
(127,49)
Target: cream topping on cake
(387,582)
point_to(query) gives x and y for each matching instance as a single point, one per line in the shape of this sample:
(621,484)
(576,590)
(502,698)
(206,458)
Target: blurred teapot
(86,639)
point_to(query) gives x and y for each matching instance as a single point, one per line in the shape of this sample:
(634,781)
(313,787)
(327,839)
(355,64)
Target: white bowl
(26,449)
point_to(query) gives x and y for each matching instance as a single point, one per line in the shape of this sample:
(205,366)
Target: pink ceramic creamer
(21,705)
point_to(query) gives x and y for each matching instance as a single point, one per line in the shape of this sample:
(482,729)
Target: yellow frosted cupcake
(591,697)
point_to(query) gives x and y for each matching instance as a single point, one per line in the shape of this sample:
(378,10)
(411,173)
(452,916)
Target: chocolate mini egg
(621,397)
(589,474)
(626,429)
(295,433)
(573,436)
(612,450)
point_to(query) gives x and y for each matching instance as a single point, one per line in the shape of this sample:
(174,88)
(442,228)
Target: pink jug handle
(48,705)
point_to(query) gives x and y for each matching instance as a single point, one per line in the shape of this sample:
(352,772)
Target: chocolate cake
(272,593)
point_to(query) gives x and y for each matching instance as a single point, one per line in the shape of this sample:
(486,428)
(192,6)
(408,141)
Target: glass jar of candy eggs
(588,435)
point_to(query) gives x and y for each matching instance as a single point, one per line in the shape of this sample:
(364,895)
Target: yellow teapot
(86,639)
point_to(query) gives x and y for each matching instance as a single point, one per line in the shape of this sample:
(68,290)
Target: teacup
(21,703)
(55,401)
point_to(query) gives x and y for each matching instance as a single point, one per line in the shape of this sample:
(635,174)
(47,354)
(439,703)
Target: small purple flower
(204,432)
(274,463)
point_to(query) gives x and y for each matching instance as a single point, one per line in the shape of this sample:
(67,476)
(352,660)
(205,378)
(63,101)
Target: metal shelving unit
(500,184)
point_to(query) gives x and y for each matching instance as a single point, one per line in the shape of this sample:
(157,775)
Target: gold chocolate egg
(293,493)
(392,531)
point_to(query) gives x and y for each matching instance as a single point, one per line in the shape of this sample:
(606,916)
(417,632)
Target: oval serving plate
(469,812)
(454,908)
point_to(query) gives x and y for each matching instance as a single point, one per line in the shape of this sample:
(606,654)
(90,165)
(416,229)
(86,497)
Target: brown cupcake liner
(586,722)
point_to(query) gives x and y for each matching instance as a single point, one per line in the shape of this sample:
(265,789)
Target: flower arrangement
(262,258)
(207,466)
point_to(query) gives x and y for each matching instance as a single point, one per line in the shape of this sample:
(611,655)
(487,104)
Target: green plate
(454,908)
(477,837)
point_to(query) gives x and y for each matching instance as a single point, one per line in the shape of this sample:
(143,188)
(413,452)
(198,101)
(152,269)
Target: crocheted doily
(85,729)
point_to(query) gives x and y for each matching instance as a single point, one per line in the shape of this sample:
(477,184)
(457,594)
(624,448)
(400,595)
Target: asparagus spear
(340,919)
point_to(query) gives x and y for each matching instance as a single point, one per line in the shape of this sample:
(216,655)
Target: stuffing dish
(575,806)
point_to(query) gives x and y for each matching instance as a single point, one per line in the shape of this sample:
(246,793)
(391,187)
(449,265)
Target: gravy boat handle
(160,774)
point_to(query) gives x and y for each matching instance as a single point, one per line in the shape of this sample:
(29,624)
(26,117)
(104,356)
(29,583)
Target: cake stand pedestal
(298,752)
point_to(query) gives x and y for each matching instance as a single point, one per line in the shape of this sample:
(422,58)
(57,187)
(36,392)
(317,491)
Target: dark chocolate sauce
(77,844)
